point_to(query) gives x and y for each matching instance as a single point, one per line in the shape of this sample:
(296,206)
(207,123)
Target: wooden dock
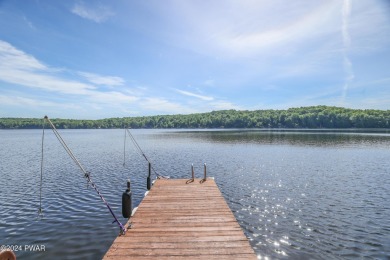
(181,219)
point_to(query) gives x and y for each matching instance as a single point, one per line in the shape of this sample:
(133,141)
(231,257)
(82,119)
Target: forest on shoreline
(303,117)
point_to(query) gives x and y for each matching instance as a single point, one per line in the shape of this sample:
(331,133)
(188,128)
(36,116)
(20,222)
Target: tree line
(303,117)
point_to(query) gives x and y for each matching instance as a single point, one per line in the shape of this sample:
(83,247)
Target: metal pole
(205,172)
(192,170)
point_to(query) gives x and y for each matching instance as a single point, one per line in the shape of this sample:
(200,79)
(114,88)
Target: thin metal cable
(86,174)
(124,151)
(137,147)
(40,187)
(143,154)
(67,149)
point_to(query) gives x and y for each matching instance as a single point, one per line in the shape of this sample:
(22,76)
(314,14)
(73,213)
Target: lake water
(296,194)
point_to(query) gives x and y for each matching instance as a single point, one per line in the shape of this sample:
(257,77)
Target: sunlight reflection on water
(296,195)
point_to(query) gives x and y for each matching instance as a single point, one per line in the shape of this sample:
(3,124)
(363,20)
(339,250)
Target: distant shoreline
(314,117)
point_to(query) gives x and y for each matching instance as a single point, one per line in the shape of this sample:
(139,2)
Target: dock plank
(181,219)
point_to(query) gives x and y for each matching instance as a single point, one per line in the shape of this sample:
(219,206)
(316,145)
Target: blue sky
(99,59)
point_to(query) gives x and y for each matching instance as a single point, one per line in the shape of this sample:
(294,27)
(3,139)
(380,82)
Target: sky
(101,59)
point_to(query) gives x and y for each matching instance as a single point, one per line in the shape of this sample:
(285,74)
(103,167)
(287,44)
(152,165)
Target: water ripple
(296,196)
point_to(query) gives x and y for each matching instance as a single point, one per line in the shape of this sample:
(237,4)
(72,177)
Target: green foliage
(303,117)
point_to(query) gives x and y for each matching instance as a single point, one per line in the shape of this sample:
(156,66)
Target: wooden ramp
(180,219)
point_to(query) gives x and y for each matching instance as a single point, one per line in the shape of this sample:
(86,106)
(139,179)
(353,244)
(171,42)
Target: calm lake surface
(296,194)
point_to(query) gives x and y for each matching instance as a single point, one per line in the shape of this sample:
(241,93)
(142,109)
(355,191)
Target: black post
(204,178)
(148,181)
(127,202)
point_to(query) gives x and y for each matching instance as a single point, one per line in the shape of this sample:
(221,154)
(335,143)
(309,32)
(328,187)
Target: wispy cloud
(251,28)
(165,106)
(23,101)
(22,69)
(111,97)
(14,58)
(204,103)
(190,94)
(348,67)
(224,105)
(288,33)
(29,23)
(97,14)
(346,12)
(186,56)
(23,106)
(17,67)
(102,80)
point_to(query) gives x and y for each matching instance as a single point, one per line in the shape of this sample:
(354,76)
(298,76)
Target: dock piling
(148,181)
(205,173)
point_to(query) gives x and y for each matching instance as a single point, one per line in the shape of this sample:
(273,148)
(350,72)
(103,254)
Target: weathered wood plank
(180,251)
(180,244)
(179,220)
(173,239)
(140,225)
(194,257)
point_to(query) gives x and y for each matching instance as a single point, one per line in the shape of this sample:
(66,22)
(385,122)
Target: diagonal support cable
(42,160)
(86,174)
(141,153)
